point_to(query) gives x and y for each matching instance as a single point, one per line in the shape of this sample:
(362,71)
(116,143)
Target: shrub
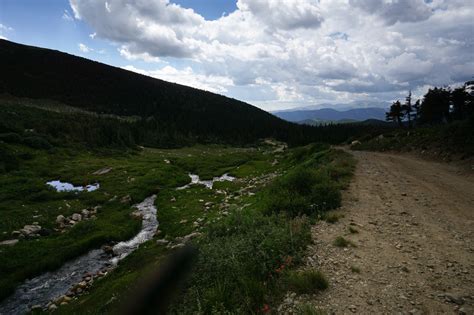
(326,196)
(307,309)
(342,242)
(355,269)
(238,261)
(8,161)
(37,142)
(331,218)
(353,230)
(306,282)
(10,137)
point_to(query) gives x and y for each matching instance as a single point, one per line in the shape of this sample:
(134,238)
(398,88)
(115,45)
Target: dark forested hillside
(184,112)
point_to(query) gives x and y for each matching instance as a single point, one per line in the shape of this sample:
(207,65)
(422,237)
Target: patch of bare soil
(414,250)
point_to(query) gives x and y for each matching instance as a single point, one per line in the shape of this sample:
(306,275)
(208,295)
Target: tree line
(439,105)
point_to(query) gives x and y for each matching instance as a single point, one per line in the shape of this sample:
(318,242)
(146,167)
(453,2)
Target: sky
(274,54)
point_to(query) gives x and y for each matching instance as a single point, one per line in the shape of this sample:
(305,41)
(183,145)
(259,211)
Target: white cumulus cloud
(295,52)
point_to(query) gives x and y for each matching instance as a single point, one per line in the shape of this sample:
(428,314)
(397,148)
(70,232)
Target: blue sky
(275,54)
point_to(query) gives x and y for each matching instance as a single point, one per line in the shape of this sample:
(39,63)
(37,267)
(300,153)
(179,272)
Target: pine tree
(395,114)
(459,99)
(407,109)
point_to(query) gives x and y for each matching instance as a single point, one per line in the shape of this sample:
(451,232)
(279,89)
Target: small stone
(126,199)
(466,310)
(16,233)
(183,221)
(137,214)
(35,307)
(76,217)
(453,298)
(82,284)
(353,308)
(52,307)
(162,242)
(85,213)
(102,171)
(108,249)
(9,242)
(177,246)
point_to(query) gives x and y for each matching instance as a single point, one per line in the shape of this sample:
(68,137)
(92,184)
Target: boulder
(60,219)
(30,229)
(189,237)
(137,214)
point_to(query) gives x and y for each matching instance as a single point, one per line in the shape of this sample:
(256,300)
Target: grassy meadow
(253,231)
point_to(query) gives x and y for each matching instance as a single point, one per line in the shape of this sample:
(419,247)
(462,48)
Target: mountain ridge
(330,114)
(183,112)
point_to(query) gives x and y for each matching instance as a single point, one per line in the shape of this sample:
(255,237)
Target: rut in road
(414,247)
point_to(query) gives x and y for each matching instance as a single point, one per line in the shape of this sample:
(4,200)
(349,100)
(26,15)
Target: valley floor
(411,224)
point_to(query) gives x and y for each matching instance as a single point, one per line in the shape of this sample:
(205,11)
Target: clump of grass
(355,269)
(353,230)
(307,309)
(331,218)
(240,259)
(342,242)
(306,282)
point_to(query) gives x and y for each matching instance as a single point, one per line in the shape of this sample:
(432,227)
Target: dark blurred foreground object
(155,293)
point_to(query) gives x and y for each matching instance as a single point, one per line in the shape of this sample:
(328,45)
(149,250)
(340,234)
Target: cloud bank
(276,53)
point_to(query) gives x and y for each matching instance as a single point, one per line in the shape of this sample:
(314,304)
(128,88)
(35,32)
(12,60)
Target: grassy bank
(253,229)
(450,141)
(248,248)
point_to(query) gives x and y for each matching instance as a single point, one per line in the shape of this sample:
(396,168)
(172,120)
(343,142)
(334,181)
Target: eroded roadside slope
(413,230)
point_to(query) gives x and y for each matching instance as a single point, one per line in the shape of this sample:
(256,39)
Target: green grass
(306,282)
(308,309)
(454,138)
(331,217)
(355,269)
(353,230)
(342,242)
(248,241)
(313,186)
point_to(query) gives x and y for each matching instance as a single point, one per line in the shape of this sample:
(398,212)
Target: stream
(51,285)
(195,180)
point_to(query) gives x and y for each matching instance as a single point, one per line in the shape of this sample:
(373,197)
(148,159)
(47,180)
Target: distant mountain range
(326,115)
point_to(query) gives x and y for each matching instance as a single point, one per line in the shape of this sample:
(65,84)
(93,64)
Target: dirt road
(415,242)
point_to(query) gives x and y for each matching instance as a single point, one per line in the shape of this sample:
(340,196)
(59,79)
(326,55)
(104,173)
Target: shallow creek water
(51,285)
(63,186)
(195,180)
